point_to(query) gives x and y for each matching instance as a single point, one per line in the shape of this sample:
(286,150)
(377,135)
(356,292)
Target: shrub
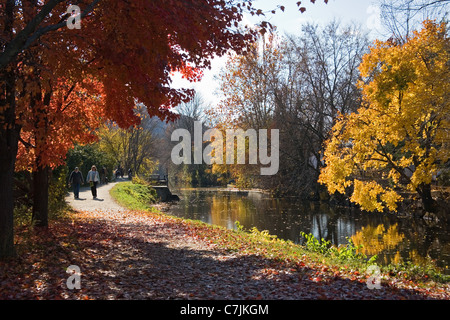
(348,252)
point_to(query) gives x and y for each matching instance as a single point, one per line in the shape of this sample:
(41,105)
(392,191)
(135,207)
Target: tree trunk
(9,139)
(39,216)
(424,190)
(7,203)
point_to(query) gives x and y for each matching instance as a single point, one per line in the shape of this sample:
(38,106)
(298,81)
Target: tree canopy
(399,137)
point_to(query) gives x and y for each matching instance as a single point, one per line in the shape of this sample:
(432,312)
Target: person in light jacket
(93,178)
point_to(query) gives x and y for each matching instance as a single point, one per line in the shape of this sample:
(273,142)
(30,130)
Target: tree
(134,147)
(399,137)
(192,174)
(248,83)
(84,156)
(402,17)
(59,116)
(320,83)
(297,84)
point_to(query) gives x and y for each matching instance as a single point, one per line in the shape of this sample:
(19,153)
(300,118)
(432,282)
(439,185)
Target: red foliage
(135,46)
(72,115)
(129,51)
(71,80)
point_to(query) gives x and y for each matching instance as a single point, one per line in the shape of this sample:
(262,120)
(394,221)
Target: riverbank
(346,263)
(131,254)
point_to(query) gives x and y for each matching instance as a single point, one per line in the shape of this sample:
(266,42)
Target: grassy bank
(330,261)
(134,196)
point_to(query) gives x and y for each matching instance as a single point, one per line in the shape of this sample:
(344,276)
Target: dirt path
(104,200)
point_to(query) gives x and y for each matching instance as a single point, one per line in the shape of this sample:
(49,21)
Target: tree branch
(26,144)
(28,35)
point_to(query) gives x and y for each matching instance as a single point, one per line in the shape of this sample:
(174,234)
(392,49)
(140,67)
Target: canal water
(393,239)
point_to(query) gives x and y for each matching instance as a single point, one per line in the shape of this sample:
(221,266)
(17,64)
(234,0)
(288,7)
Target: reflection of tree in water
(392,238)
(226,208)
(408,240)
(377,240)
(427,241)
(331,224)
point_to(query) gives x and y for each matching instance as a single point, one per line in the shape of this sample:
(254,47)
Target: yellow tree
(248,83)
(133,147)
(399,137)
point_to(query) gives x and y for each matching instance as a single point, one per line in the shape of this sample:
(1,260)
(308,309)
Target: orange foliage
(72,116)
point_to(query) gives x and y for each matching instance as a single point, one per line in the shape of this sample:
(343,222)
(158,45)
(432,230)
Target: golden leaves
(401,124)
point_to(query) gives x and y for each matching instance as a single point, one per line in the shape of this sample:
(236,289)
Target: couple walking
(76,179)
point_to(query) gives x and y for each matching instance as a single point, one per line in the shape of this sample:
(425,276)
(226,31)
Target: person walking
(76,179)
(103,175)
(93,178)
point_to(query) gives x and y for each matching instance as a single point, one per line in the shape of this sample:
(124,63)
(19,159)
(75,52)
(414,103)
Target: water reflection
(393,239)
(377,240)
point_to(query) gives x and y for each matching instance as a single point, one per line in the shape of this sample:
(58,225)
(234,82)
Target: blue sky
(363,12)
(360,11)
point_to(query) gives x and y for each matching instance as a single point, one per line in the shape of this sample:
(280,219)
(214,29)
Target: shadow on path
(159,261)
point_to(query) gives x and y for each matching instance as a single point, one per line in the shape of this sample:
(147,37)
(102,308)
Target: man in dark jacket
(76,178)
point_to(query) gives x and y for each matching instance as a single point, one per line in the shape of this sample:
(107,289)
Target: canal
(393,239)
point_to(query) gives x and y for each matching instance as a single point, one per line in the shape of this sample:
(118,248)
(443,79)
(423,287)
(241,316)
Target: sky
(363,12)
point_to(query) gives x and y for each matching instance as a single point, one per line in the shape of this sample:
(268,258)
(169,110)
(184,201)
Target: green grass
(134,196)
